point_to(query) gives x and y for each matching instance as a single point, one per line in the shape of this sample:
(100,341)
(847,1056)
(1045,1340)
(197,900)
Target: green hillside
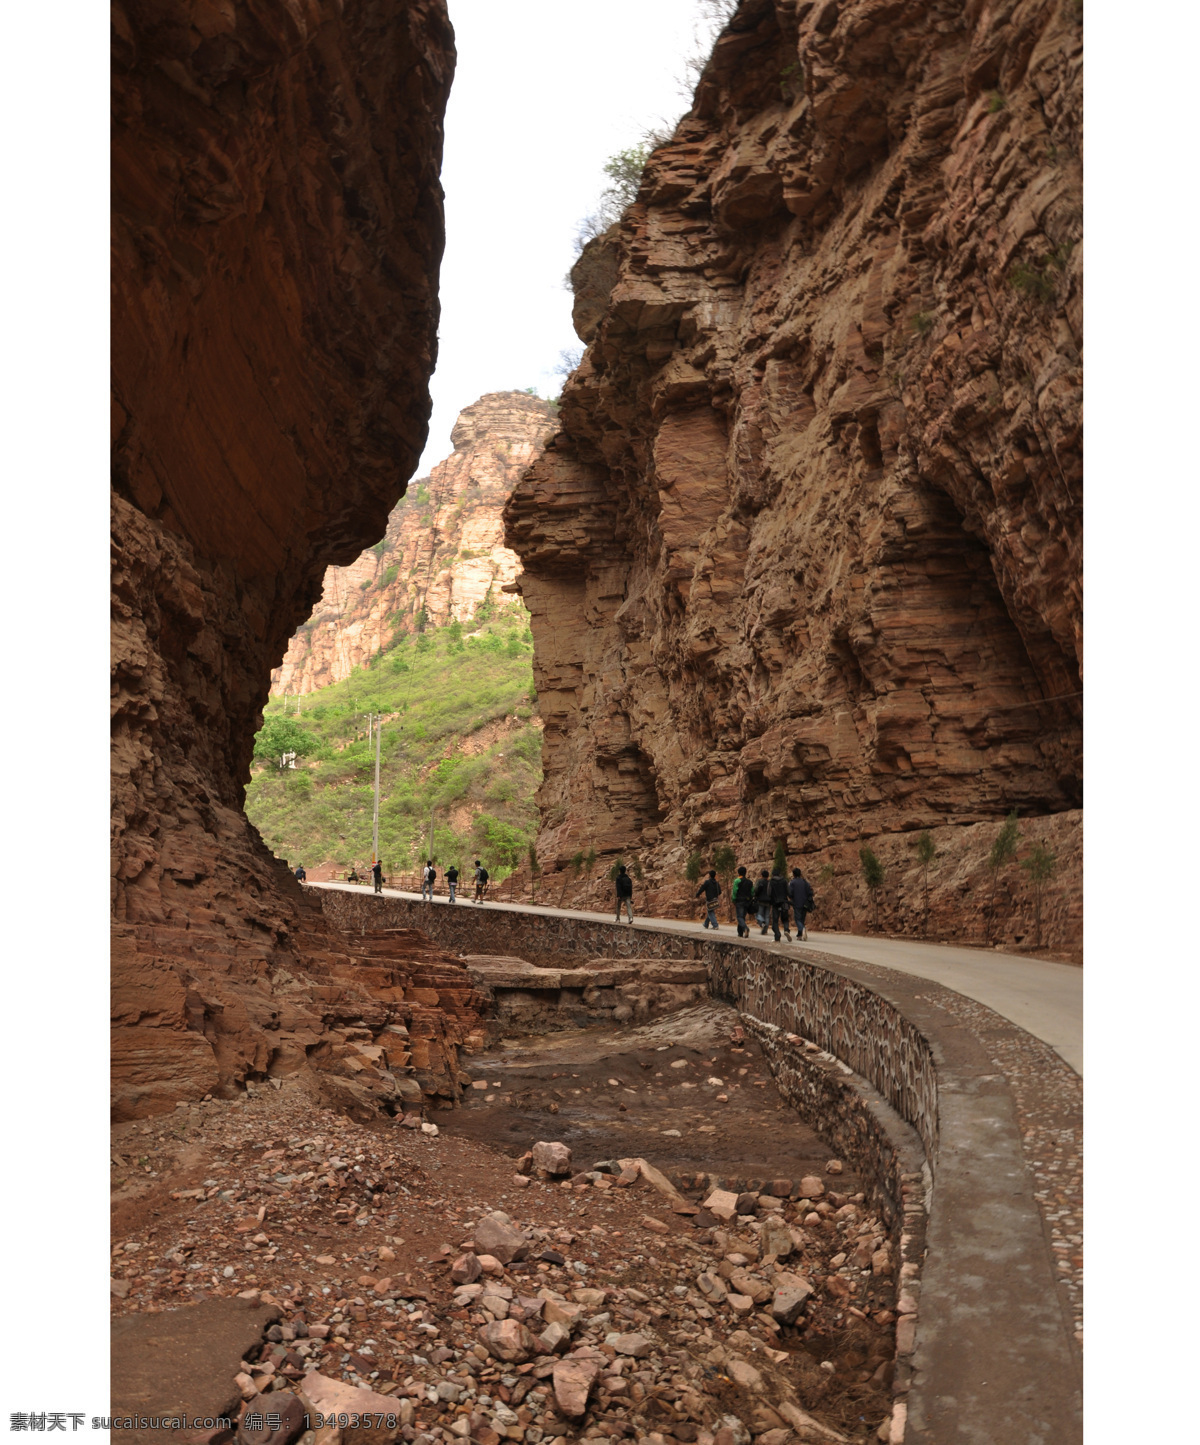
(459,738)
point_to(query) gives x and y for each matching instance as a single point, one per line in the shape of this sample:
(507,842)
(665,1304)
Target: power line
(1040,702)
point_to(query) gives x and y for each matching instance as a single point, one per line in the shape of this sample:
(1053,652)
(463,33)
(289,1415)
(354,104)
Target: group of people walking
(776,901)
(429,878)
(773,900)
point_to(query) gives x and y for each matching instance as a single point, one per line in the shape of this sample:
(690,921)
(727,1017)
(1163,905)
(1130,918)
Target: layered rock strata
(277,229)
(804,559)
(442,554)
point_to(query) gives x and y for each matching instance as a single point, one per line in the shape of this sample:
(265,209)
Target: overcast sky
(544,93)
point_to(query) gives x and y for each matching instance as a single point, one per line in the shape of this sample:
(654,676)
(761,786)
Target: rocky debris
(662,1328)
(699,521)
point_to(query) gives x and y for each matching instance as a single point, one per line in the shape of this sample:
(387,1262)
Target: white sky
(545,92)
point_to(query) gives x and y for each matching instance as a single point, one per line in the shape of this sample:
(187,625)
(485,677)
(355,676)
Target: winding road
(1044,998)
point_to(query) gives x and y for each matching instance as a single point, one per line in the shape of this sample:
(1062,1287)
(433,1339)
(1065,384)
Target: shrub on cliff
(926,853)
(1040,865)
(1002,853)
(873,873)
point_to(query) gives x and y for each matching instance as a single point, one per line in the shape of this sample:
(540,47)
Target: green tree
(873,873)
(926,853)
(724,860)
(625,171)
(615,869)
(1002,853)
(576,867)
(534,869)
(279,735)
(780,860)
(694,866)
(1040,865)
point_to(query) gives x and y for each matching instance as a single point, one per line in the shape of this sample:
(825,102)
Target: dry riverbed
(736,1287)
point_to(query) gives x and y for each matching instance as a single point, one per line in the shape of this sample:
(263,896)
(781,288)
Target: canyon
(804,558)
(801,549)
(442,555)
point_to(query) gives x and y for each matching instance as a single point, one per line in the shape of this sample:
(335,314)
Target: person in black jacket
(801,894)
(452,880)
(624,893)
(712,891)
(762,900)
(777,892)
(377,874)
(301,875)
(743,898)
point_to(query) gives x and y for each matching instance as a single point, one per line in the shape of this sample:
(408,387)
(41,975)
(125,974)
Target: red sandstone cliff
(442,552)
(804,559)
(277,229)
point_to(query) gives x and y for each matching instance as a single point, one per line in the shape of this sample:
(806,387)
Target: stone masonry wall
(820,1002)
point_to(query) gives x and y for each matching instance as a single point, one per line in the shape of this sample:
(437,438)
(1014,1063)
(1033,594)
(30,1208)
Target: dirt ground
(351,1227)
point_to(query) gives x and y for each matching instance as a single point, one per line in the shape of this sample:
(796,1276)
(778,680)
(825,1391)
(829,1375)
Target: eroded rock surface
(804,560)
(442,553)
(277,222)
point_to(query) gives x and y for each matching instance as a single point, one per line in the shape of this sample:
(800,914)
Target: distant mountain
(441,556)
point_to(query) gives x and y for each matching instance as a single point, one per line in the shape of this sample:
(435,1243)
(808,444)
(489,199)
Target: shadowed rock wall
(277,230)
(804,560)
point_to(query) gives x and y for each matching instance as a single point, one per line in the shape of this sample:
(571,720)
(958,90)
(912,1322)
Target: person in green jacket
(743,898)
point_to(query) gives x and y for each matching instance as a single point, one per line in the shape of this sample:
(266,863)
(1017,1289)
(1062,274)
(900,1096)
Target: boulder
(466,1269)
(722,1203)
(322,1396)
(552,1158)
(573,1380)
(776,1239)
(790,1297)
(495,1234)
(508,1340)
(636,1346)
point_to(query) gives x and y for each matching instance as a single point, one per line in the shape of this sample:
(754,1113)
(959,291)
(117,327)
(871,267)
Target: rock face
(804,559)
(277,229)
(442,553)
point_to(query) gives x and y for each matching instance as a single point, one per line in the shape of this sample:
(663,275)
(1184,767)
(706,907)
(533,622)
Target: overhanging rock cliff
(277,234)
(804,560)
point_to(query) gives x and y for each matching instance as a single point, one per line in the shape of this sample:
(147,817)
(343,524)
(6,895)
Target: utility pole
(430,853)
(375,821)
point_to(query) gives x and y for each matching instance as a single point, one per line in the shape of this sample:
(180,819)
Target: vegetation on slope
(459,740)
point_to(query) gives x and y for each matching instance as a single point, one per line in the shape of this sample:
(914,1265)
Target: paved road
(1044,998)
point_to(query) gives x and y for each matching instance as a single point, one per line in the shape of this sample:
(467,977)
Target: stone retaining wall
(821,1002)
